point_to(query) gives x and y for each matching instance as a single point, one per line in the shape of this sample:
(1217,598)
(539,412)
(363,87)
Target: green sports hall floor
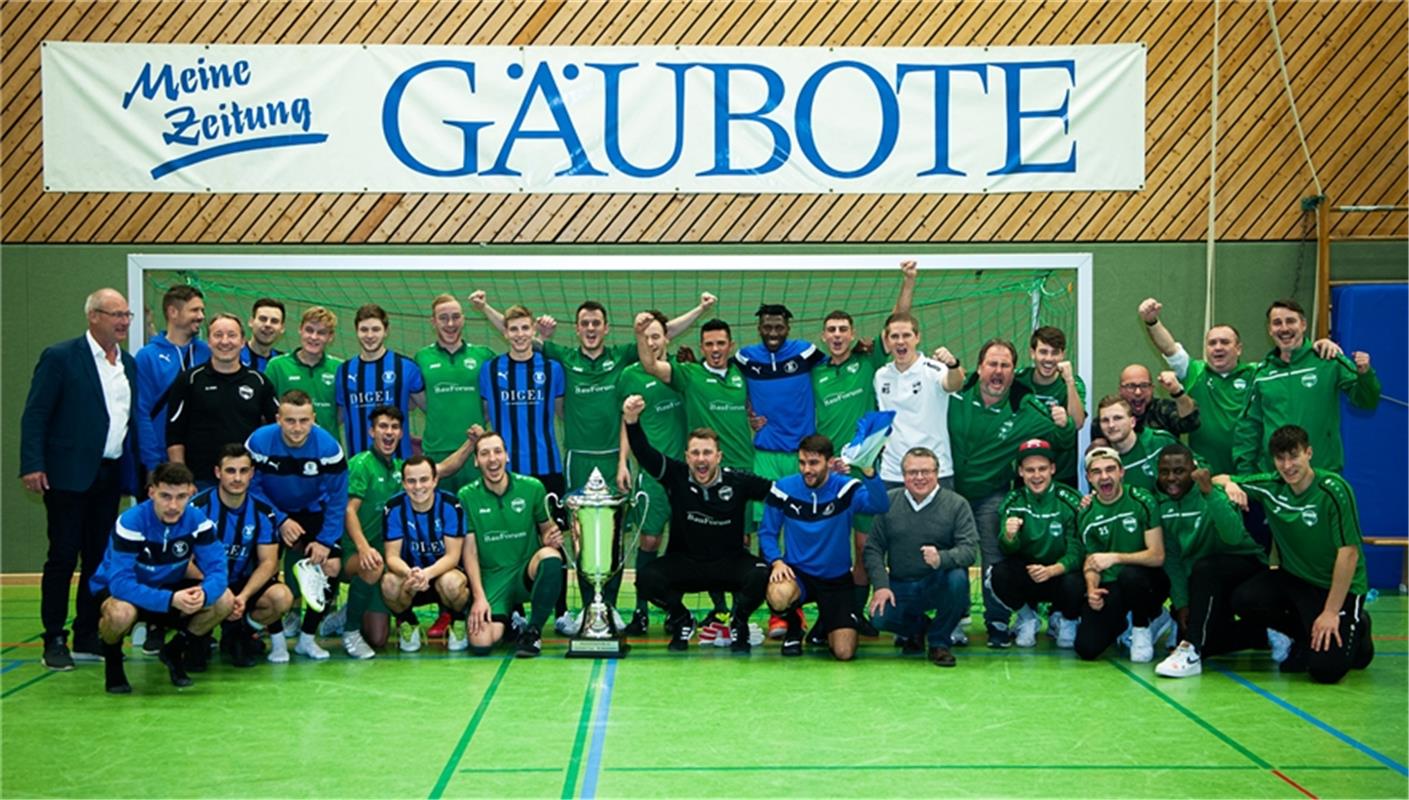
(1016,723)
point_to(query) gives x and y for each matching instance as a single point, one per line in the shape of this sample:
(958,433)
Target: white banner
(349,118)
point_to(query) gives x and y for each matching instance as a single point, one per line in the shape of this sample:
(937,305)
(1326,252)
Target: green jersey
(719,403)
(1221,400)
(592,402)
(1309,527)
(1197,526)
(1141,462)
(663,420)
(1306,392)
(453,403)
(843,393)
(505,526)
(374,480)
(983,440)
(1048,532)
(1119,527)
(1055,394)
(286,372)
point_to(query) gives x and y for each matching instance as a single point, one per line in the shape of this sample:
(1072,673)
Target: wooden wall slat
(1345,60)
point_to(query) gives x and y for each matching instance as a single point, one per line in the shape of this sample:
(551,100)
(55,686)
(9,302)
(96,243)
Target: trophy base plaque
(597,648)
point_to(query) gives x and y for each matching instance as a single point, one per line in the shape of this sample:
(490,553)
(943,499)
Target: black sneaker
(87,648)
(792,644)
(114,678)
(739,638)
(237,645)
(172,656)
(1296,660)
(999,638)
(909,645)
(1364,647)
(198,653)
(529,644)
(640,623)
(683,629)
(156,639)
(815,638)
(56,655)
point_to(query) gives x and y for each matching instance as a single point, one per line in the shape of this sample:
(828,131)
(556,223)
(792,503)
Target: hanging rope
(1287,85)
(1212,179)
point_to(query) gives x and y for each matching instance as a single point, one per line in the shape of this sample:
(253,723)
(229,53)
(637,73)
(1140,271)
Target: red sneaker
(442,624)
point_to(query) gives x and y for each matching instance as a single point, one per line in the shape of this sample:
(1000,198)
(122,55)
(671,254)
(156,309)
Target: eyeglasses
(919,473)
(1137,387)
(116,314)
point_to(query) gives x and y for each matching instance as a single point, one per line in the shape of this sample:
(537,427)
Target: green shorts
(464,476)
(657,507)
(578,466)
(506,587)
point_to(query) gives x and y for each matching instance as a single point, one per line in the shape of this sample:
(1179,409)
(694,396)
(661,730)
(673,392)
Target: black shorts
(170,618)
(255,595)
(835,599)
(426,597)
(312,522)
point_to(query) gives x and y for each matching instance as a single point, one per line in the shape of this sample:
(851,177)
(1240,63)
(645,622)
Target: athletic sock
(311,619)
(547,586)
(716,596)
(859,596)
(359,596)
(408,616)
(794,622)
(643,559)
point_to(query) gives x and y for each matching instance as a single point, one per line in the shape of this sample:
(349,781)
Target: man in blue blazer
(77,451)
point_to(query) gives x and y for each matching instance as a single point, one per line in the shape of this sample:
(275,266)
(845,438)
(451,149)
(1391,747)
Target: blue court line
(14,664)
(599,734)
(1366,749)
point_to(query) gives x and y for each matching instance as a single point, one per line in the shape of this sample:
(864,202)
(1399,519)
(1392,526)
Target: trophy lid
(595,493)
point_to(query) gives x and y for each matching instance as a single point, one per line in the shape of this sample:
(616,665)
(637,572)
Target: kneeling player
(1041,553)
(513,551)
(708,509)
(247,527)
(811,511)
(425,531)
(1317,597)
(143,575)
(1120,532)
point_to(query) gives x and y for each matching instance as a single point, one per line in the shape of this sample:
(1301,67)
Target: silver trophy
(594,509)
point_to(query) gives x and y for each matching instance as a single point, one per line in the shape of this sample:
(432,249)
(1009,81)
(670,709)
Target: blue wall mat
(1373,318)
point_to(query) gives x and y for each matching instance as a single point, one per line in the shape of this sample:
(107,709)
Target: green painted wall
(42,288)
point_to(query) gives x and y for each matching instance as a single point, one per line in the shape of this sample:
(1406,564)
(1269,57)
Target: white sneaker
(1142,646)
(1281,645)
(517,623)
(568,625)
(308,646)
(1066,633)
(1054,624)
(456,637)
(410,637)
(617,620)
(354,645)
(335,624)
(139,635)
(1027,627)
(278,649)
(312,583)
(755,634)
(1182,663)
(958,638)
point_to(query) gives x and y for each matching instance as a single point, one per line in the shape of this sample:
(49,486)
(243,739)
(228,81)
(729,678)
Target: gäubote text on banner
(349,118)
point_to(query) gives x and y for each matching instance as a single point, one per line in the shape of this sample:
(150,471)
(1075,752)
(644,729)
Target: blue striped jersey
(780,389)
(520,396)
(361,386)
(239,530)
(254,360)
(423,533)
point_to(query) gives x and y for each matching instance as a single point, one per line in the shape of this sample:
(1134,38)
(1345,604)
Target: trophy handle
(551,500)
(644,501)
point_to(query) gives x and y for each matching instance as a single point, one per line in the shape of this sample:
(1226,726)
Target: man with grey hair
(76,450)
(918,557)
